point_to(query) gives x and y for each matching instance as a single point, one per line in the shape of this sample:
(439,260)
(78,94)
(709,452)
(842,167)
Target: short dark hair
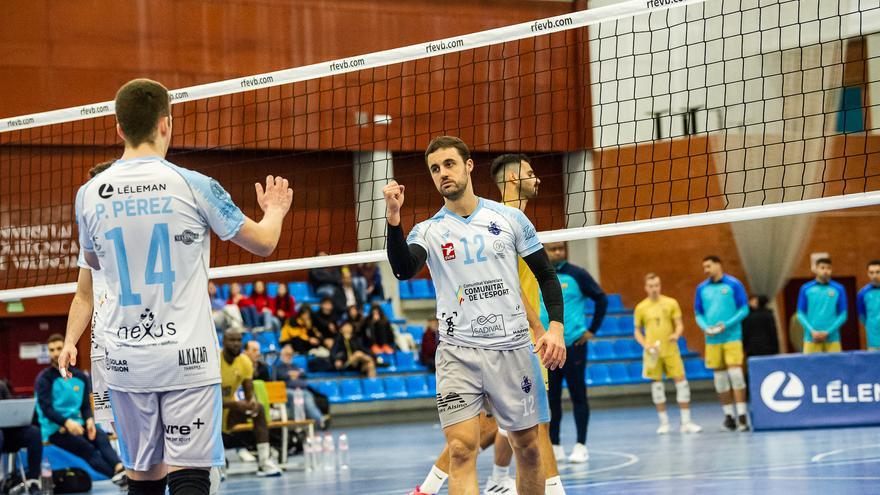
(873,263)
(97,169)
(712,258)
(442,142)
(55,337)
(762,300)
(140,104)
(650,276)
(823,261)
(502,161)
(326,299)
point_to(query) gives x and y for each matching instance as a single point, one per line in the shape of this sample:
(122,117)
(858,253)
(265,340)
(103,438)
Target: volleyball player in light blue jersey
(146,223)
(822,310)
(868,304)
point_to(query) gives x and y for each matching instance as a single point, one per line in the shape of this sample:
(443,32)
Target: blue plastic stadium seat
(604,350)
(328,388)
(268,341)
(421,288)
(591,350)
(627,349)
(301,362)
(598,375)
(224,291)
(615,303)
(395,387)
(432,384)
(373,388)
(635,372)
(389,360)
(60,459)
(417,332)
(695,369)
(405,290)
(350,390)
(299,290)
(608,326)
(417,386)
(272,289)
(625,325)
(682,345)
(247,289)
(406,361)
(618,374)
(245,338)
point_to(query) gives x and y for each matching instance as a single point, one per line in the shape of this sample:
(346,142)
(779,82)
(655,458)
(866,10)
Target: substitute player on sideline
(868,304)
(146,223)
(721,305)
(659,317)
(822,310)
(485,353)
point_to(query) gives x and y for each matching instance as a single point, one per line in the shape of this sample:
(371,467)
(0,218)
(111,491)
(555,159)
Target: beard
(456,192)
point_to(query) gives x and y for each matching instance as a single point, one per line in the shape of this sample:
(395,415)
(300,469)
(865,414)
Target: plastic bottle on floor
(329,452)
(299,405)
(343,451)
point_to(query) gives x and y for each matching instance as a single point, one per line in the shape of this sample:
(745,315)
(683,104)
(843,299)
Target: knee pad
(189,482)
(658,392)
(722,382)
(737,379)
(682,392)
(502,432)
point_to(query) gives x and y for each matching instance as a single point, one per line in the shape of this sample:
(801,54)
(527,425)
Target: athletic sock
(664,418)
(685,416)
(553,486)
(500,472)
(434,482)
(189,482)
(728,409)
(262,453)
(150,487)
(741,409)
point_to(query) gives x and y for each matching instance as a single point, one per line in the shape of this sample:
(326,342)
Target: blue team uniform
(723,301)
(822,307)
(868,304)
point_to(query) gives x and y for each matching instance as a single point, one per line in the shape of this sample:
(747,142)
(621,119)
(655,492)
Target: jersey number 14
(159,250)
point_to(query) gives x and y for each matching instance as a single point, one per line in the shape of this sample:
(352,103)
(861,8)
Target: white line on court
(823,455)
(582,474)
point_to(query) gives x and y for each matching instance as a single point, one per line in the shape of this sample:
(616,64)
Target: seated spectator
(23,437)
(349,354)
(377,332)
(430,339)
(759,329)
(355,315)
(372,280)
(225,315)
(65,412)
(295,378)
(261,369)
(284,305)
(300,332)
(247,308)
(327,282)
(237,371)
(325,321)
(263,304)
(351,295)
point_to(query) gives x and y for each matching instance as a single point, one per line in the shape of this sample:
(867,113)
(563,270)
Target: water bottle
(299,405)
(343,451)
(653,355)
(47,486)
(329,452)
(309,453)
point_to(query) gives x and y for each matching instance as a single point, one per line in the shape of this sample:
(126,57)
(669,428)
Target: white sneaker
(579,454)
(664,429)
(246,456)
(503,486)
(691,427)
(559,453)
(269,469)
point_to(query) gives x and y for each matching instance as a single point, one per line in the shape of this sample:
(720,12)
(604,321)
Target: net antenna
(639,115)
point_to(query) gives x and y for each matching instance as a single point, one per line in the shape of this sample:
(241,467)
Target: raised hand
(393,193)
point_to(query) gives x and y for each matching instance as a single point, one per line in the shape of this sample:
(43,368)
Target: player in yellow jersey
(659,317)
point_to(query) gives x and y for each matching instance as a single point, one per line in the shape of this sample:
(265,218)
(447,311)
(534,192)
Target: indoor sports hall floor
(626,457)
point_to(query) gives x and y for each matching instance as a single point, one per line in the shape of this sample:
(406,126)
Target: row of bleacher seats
(301,291)
(422,288)
(424,385)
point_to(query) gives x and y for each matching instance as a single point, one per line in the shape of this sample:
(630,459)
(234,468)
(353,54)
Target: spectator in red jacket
(429,345)
(263,304)
(248,310)
(284,305)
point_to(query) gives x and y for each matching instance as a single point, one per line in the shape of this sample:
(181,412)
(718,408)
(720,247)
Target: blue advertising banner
(815,390)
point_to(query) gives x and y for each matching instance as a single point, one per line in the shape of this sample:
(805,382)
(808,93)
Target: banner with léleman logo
(815,390)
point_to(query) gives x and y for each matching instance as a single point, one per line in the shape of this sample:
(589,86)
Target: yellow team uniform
(811,347)
(532,294)
(232,376)
(658,320)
